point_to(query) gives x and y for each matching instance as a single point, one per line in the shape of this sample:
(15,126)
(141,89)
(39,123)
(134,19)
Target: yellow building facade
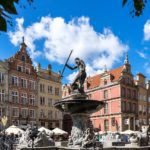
(142,100)
(49,92)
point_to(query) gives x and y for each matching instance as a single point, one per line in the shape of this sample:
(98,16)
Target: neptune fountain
(80,108)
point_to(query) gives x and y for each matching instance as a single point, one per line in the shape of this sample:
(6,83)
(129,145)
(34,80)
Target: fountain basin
(79,106)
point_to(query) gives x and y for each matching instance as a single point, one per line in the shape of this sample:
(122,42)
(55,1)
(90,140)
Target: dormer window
(23,58)
(105,82)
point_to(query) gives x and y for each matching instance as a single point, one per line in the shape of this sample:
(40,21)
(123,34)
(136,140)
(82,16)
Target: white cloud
(142,54)
(95,48)
(71,77)
(147,30)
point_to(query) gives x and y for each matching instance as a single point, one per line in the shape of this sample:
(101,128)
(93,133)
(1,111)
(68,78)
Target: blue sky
(99,31)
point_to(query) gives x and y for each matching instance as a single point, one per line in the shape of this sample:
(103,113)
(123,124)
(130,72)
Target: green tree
(8,8)
(137,6)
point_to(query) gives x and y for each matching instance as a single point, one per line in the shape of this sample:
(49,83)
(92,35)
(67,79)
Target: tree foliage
(137,6)
(8,8)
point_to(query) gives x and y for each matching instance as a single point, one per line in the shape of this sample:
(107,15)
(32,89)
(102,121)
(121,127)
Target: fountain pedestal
(80,108)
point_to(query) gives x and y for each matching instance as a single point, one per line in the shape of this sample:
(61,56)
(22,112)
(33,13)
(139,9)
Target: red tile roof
(116,73)
(93,82)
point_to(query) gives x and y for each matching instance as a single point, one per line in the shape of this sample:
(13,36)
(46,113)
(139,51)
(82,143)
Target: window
(43,124)
(32,85)
(50,89)
(105,94)
(1,77)
(2,95)
(23,58)
(20,68)
(24,112)
(123,106)
(127,80)
(15,112)
(14,80)
(15,97)
(123,92)
(42,88)
(127,106)
(106,125)
(32,113)
(49,102)
(32,100)
(105,82)
(42,114)
(42,100)
(23,83)
(24,98)
(57,91)
(27,70)
(128,93)
(134,94)
(113,121)
(106,108)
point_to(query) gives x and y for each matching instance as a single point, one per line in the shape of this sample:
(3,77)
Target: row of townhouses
(27,94)
(127,99)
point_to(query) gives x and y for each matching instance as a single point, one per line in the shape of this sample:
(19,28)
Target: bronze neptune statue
(80,77)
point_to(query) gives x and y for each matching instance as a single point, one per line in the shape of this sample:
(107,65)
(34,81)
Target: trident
(66,63)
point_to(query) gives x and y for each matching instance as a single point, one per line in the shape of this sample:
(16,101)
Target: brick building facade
(27,94)
(22,89)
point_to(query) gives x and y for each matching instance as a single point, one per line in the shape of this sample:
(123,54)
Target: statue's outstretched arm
(72,68)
